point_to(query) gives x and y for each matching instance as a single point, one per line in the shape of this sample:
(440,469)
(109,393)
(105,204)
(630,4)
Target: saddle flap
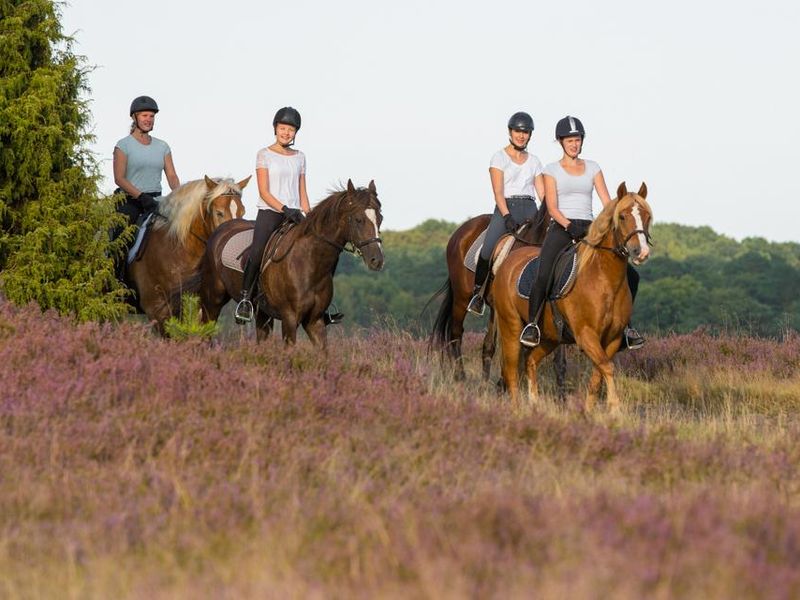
(563,275)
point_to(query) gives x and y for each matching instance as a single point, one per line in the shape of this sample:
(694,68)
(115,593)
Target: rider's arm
(496,175)
(304,204)
(551,198)
(538,184)
(601,189)
(120,166)
(169,171)
(262,177)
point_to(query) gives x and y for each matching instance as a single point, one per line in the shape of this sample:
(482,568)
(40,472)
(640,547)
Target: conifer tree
(54,223)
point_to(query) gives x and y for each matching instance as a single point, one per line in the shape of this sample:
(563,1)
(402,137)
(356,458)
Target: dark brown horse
(448,328)
(596,309)
(296,276)
(176,243)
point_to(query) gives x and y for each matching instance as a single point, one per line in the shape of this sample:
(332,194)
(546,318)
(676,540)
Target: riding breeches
(522,208)
(267,221)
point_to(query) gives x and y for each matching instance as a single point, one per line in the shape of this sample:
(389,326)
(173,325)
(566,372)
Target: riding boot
(476,304)
(531,335)
(632,339)
(244,309)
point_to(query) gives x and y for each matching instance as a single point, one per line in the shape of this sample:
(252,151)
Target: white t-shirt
(284,176)
(517,179)
(574,191)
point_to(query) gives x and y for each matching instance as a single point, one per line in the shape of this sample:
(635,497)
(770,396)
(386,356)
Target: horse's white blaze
(645,249)
(373,217)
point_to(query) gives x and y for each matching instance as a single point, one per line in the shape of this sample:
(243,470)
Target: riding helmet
(521,121)
(569,126)
(288,116)
(142,103)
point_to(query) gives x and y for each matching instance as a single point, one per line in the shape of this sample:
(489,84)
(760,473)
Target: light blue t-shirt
(574,191)
(145,163)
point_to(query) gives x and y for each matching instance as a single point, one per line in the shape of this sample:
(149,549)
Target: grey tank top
(574,191)
(145,163)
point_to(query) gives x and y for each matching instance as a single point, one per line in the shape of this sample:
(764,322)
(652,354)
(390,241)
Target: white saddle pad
(232,252)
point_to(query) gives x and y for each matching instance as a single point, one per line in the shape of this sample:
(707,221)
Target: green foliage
(54,246)
(190,324)
(695,278)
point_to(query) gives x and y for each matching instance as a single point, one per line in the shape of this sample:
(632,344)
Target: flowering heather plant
(132,466)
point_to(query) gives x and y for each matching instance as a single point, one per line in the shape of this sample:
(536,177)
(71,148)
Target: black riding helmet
(142,103)
(521,121)
(288,116)
(569,126)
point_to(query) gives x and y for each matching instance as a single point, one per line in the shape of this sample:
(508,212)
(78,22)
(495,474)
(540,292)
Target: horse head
(223,201)
(631,223)
(364,218)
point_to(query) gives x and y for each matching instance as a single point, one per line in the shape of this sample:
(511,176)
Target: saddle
(471,257)
(236,250)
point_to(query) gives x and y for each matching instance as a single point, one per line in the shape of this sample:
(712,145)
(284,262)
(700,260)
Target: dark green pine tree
(54,223)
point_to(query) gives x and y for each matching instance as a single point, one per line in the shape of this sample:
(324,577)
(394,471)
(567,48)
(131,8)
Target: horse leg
(603,369)
(560,359)
(263,325)
(535,356)
(317,333)
(489,345)
(511,349)
(289,329)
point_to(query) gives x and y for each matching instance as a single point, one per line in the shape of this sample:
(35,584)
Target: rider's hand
(146,200)
(511,223)
(295,215)
(574,231)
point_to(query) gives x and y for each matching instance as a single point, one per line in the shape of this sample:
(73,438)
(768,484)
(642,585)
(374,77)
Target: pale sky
(698,99)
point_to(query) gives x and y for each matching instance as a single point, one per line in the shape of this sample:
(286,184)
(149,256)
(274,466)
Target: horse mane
(328,210)
(183,205)
(607,220)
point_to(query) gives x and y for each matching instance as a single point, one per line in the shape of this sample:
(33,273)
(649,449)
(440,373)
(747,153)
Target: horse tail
(442,326)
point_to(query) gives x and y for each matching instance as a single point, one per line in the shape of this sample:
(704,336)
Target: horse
(296,277)
(448,327)
(177,241)
(596,309)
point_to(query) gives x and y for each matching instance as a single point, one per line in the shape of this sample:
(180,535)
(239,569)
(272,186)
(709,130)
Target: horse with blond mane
(596,309)
(177,240)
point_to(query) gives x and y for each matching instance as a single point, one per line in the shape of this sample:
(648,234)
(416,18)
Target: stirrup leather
(531,336)
(476,305)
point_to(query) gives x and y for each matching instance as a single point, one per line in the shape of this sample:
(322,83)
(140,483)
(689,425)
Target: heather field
(133,467)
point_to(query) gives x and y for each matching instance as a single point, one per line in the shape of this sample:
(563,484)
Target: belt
(520,198)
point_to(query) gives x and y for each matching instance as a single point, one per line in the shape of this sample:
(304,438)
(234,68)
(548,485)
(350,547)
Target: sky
(698,99)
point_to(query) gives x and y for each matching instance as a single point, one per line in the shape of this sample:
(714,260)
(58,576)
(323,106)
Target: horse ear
(643,190)
(241,185)
(350,187)
(210,183)
(371,186)
(622,190)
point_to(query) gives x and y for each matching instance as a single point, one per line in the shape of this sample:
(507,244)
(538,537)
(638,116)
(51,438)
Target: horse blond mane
(183,205)
(607,220)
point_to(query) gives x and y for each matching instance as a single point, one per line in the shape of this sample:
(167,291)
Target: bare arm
(120,166)
(551,199)
(304,204)
(262,177)
(169,171)
(601,189)
(538,183)
(496,175)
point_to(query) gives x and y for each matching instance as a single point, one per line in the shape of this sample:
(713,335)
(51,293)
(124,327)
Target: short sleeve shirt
(284,175)
(517,179)
(574,191)
(145,163)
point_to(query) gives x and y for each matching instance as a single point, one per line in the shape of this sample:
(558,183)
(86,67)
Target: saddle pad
(566,265)
(139,237)
(235,249)
(471,258)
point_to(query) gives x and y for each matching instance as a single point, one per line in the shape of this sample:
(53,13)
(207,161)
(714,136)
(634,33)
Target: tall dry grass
(132,467)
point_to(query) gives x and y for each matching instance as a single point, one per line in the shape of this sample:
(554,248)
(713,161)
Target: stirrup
(476,305)
(633,339)
(531,336)
(332,318)
(244,311)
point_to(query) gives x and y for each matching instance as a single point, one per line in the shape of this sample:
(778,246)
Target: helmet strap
(517,148)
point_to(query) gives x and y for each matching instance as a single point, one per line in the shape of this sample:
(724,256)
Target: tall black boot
(244,309)
(531,335)
(476,304)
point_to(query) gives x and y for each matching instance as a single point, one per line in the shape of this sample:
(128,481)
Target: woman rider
(568,185)
(139,160)
(516,178)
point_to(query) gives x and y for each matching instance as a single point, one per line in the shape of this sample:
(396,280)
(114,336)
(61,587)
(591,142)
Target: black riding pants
(267,221)
(522,208)
(555,241)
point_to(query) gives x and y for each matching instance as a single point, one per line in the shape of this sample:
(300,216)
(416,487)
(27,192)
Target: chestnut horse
(448,328)
(177,241)
(296,278)
(596,309)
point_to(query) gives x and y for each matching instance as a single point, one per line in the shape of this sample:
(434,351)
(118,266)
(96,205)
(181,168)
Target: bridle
(230,193)
(620,245)
(350,246)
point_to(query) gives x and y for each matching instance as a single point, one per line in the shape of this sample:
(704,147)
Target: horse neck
(199,232)
(323,243)
(610,263)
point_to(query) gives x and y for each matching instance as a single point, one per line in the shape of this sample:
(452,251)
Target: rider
(516,178)
(281,176)
(568,184)
(139,159)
